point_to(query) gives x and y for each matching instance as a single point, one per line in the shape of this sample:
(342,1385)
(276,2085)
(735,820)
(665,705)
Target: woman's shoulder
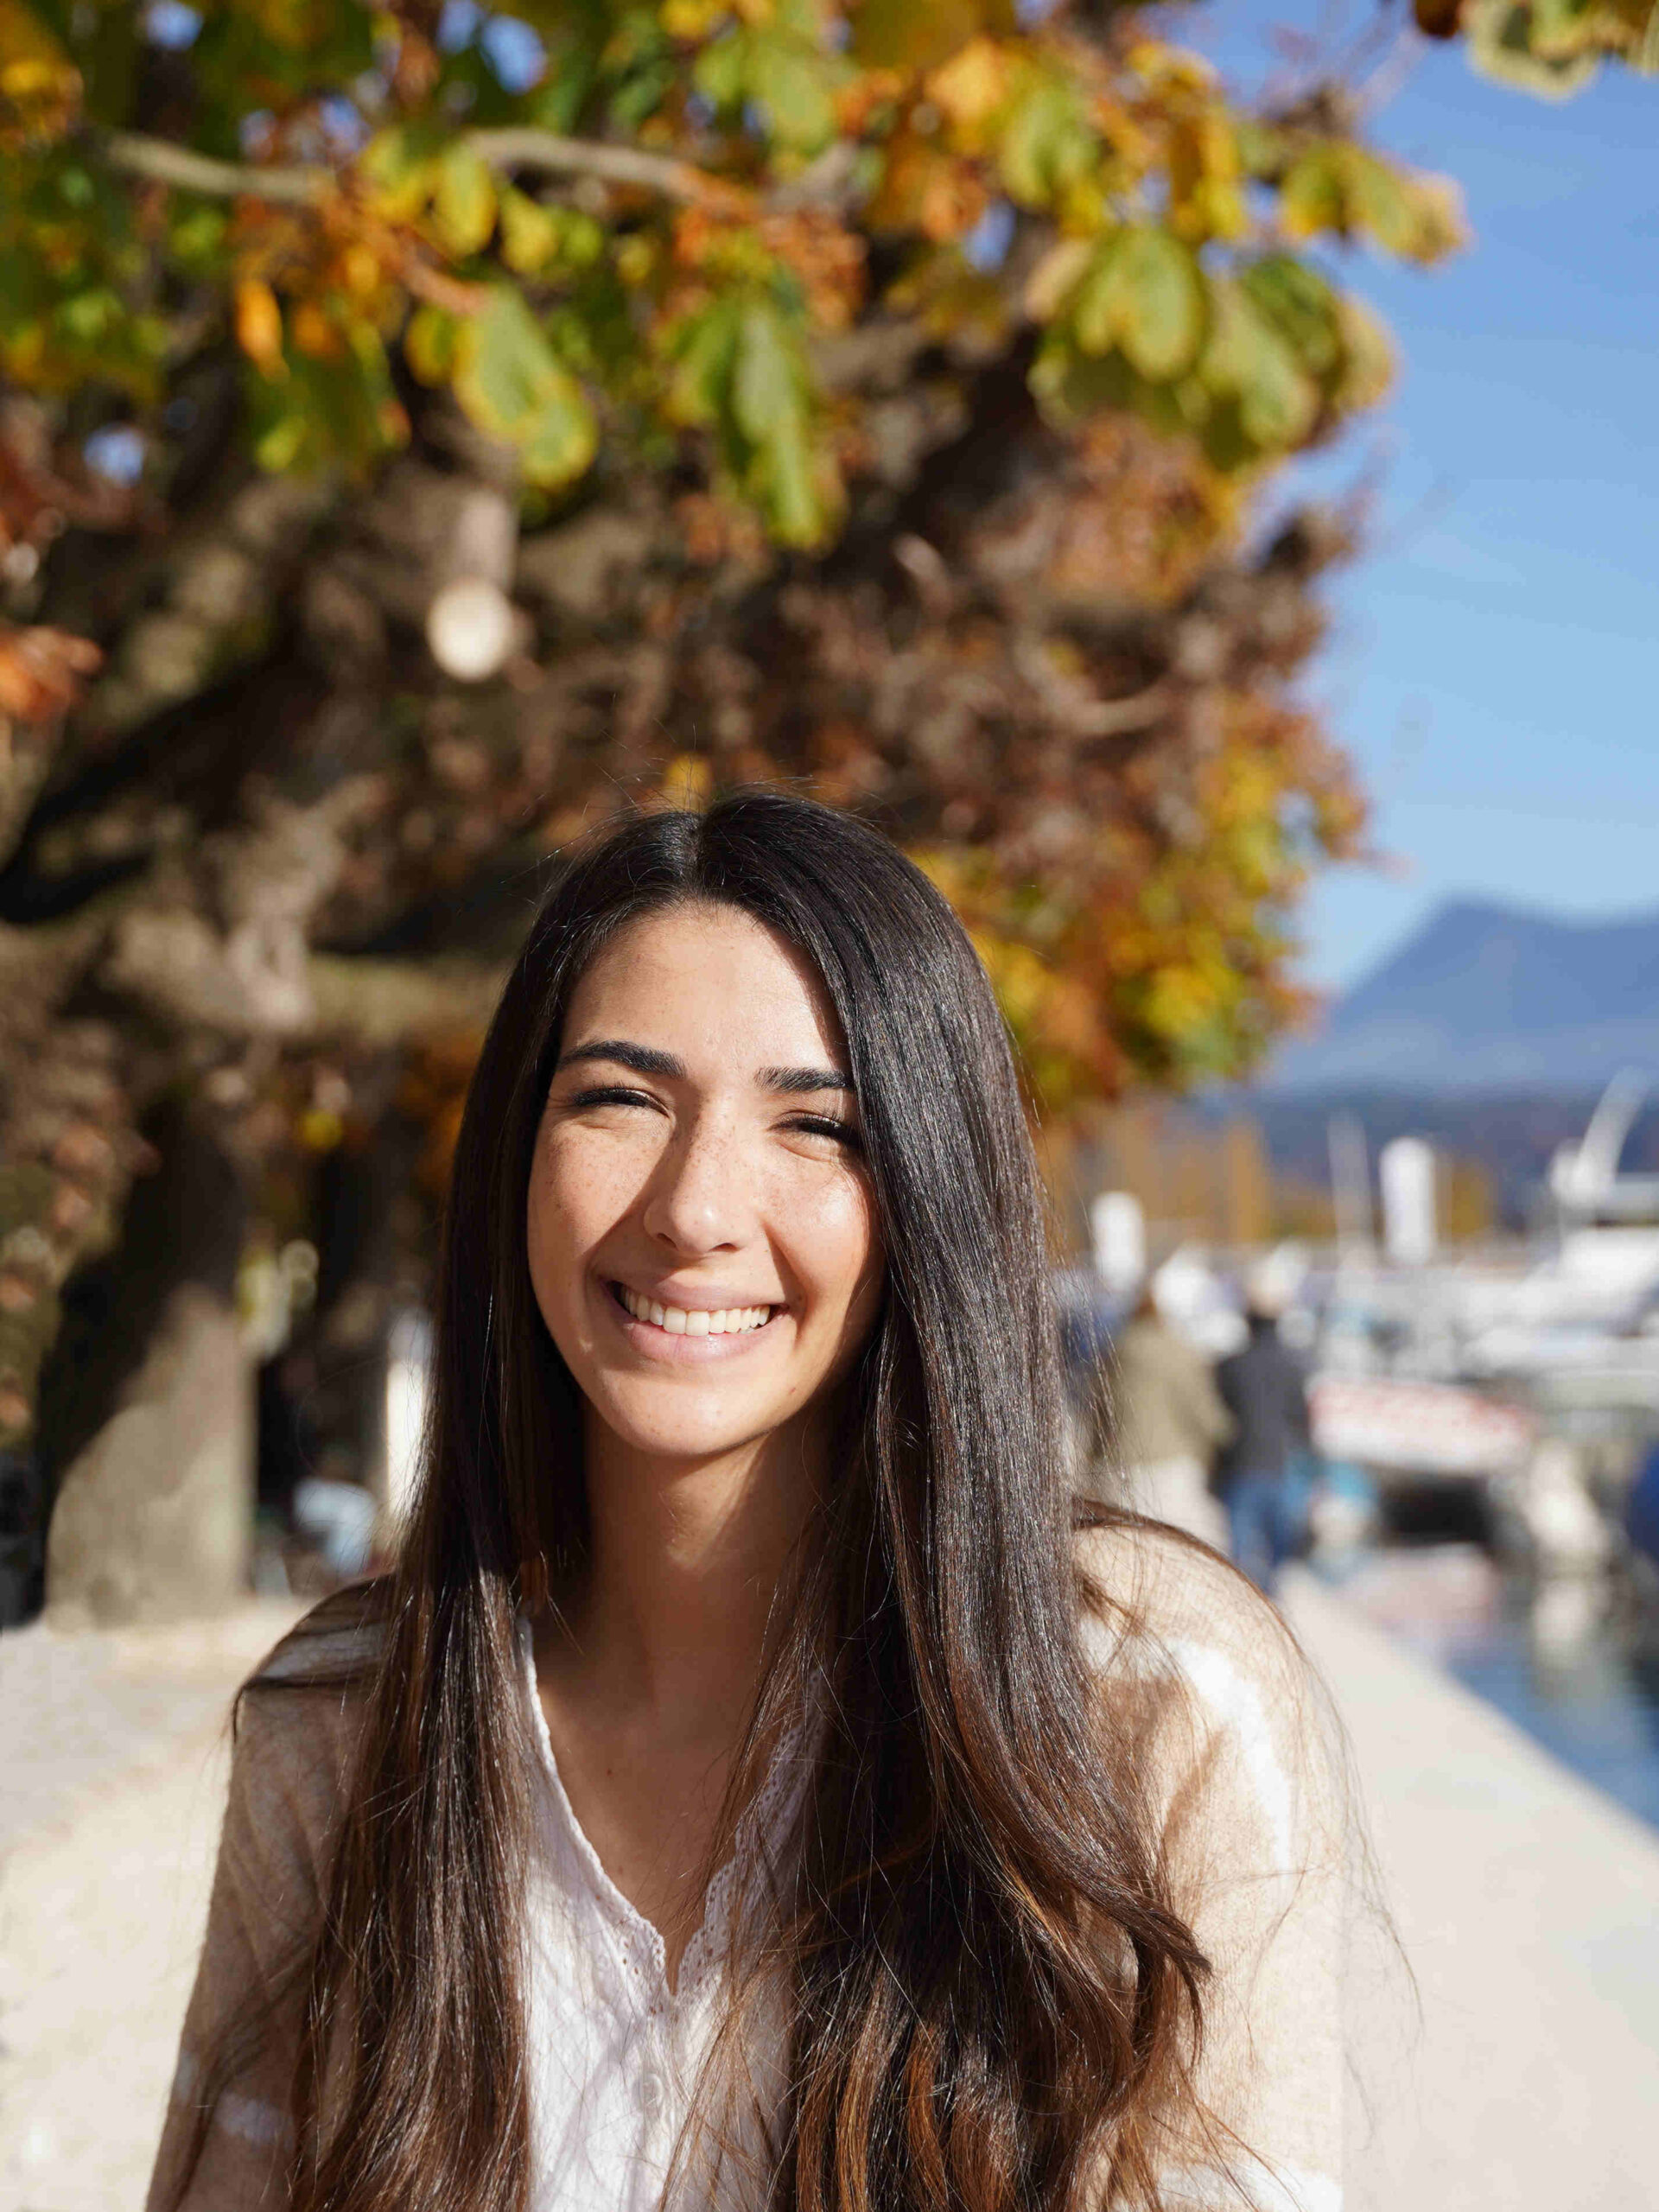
(336,1644)
(1148,1584)
(1186,1654)
(299,1716)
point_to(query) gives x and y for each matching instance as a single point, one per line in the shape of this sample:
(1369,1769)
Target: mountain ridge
(1492,996)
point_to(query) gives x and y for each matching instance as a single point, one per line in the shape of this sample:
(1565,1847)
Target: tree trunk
(152,1520)
(147,1412)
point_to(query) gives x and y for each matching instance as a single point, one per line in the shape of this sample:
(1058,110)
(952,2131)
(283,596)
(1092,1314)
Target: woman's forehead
(699,978)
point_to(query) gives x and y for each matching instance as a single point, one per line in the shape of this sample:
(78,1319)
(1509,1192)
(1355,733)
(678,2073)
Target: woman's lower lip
(684,1351)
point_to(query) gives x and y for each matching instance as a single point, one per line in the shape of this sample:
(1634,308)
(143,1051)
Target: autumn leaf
(513,385)
(259,324)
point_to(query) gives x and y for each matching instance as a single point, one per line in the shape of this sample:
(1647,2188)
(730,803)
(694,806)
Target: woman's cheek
(591,1186)
(831,1236)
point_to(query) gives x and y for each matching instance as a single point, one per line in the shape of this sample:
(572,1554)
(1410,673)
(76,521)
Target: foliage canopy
(434,417)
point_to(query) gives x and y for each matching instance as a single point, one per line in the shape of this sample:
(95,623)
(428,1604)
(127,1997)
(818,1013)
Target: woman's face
(701,1231)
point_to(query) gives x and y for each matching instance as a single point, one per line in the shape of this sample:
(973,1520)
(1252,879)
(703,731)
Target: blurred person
(1159,1421)
(757,1785)
(1260,1475)
(302,1489)
(339,1517)
(1642,1508)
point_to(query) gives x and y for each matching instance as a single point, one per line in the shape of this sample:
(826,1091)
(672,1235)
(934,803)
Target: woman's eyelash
(825,1125)
(811,1125)
(610,1094)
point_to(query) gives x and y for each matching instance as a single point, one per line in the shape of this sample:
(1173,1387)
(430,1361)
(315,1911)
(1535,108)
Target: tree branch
(163,162)
(391,1002)
(525,149)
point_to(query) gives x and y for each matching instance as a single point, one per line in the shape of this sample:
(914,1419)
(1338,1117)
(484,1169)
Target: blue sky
(1494,661)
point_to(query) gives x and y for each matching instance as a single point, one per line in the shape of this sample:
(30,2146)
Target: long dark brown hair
(989,1996)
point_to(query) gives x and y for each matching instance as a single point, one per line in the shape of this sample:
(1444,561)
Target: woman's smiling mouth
(691,1320)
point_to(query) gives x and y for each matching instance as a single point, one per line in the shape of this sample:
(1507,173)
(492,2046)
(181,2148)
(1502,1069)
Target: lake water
(1574,1664)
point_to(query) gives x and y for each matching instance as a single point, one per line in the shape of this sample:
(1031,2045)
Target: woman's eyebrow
(792,1080)
(643,1060)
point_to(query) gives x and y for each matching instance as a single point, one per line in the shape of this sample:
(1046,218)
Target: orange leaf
(259,324)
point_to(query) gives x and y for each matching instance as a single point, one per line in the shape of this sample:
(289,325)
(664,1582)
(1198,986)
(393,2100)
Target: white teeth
(696,1320)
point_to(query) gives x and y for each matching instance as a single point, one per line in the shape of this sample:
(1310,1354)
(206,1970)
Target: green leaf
(196,234)
(791,84)
(1383,203)
(703,352)
(1248,361)
(1161,303)
(771,406)
(1095,307)
(463,206)
(400,168)
(514,386)
(1312,198)
(1300,306)
(531,235)
(431,344)
(1502,45)
(1367,356)
(1261,150)
(721,69)
(1046,142)
(769,384)
(1144,293)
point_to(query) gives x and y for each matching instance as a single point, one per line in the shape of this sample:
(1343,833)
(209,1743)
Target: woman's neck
(670,1625)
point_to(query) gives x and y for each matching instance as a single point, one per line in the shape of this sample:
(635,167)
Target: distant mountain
(1495,998)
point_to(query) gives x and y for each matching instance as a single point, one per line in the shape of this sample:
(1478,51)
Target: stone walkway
(114,1750)
(1528,1905)
(1528,1908)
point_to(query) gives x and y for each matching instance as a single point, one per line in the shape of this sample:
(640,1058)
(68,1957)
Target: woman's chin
(675,1434)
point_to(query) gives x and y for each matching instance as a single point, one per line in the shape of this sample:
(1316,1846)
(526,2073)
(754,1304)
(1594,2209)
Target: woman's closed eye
(609,1094)
(826,1125)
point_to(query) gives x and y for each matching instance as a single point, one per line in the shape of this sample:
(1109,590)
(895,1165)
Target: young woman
(754,1789)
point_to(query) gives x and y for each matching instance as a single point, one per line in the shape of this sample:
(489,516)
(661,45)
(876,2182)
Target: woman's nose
(701,1197)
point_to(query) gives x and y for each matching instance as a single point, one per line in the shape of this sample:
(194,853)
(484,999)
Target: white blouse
(1227,1729)
(617,2053)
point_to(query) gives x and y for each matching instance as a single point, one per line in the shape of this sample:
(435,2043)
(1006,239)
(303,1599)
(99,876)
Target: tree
(420,422)
(1551,47)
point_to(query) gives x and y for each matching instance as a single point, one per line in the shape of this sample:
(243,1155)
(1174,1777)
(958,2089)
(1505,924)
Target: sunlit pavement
(113,1748)
(1529,1907)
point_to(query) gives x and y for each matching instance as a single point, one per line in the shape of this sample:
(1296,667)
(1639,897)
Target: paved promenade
(1528,1905)
(114,1750)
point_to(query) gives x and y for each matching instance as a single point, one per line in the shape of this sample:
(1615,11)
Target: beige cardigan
(1247,1790)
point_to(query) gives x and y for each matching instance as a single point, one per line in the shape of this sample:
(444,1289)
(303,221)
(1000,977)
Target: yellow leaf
(1054,276)
(259,324)
(463,206)
(531,234)
(429,343)
(971,88)
(361,266)
(37,79)
(692,19)
(1171,67)
(314,333)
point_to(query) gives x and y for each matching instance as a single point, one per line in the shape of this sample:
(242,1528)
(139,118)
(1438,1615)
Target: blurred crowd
(1221,1449)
